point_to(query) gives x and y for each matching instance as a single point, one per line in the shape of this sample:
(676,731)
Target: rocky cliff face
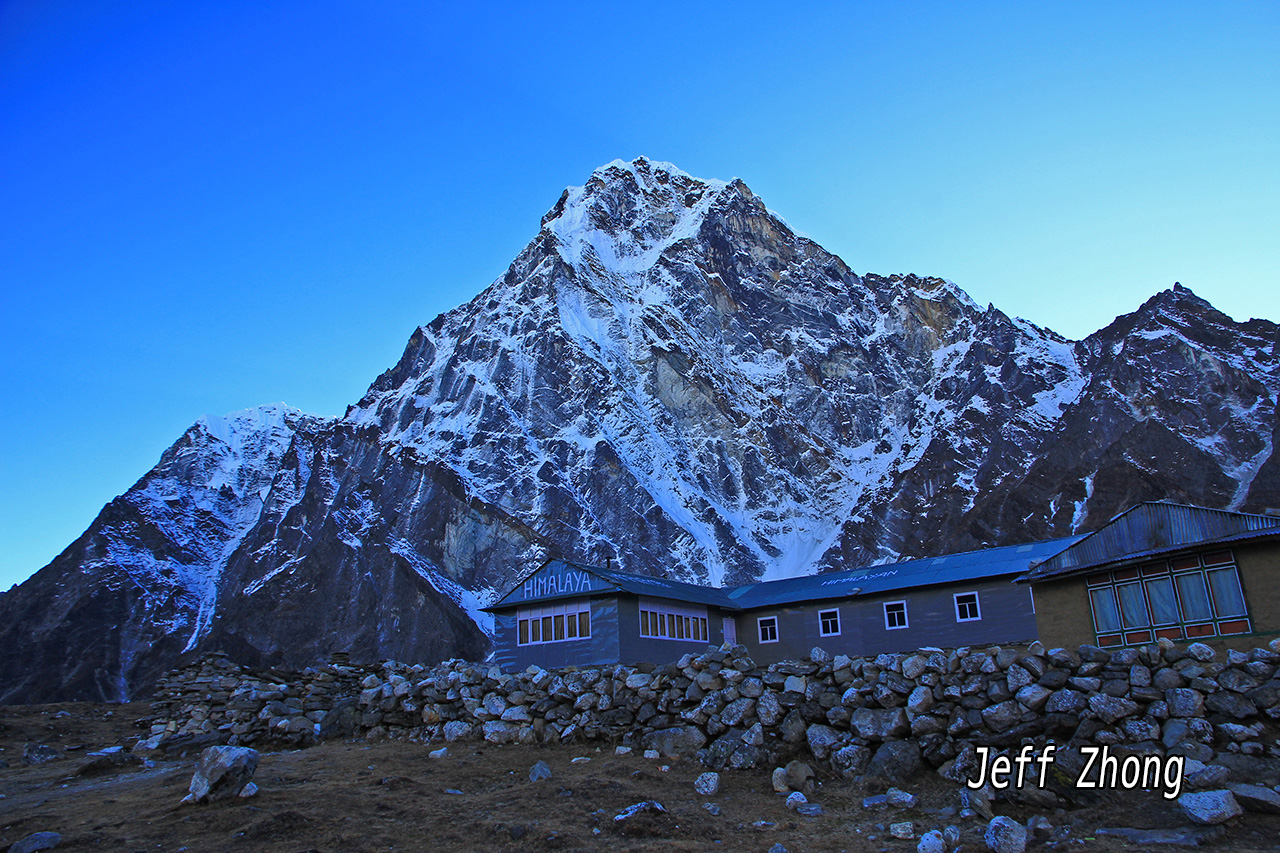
(671,379)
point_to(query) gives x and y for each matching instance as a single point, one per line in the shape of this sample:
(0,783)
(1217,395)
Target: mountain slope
(670,379)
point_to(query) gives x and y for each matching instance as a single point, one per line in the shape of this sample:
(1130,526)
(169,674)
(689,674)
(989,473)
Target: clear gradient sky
(209,206)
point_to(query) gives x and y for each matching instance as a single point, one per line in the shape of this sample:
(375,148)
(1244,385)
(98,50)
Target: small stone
(780,780)
(652,754)
(1039,827)
(900,799)
(708,784)
(36,841)
(622,750)
(539,771)
(712,808)
(1201,652)
(777,848)
(809,809)
(581,759)
(438,753)
(637,808)
(1005,835)
(932,842)
(38,753)
(903,830)
(250,790)
(796,799)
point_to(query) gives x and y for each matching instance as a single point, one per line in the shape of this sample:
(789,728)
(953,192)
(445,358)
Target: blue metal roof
(1149,529)
(950,568)
(663,588)
(868,580)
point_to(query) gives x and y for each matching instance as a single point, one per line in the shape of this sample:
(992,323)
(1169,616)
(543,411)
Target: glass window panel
(524,631)
(1106,616)
(535,630)
(584,624)
(1164,604)
(571,626)
(1227,598)
(547,630)
(1133,606)
(558,621)
(1194,596)
(644,623)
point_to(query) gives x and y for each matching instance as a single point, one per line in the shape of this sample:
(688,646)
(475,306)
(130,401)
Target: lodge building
(1157,570)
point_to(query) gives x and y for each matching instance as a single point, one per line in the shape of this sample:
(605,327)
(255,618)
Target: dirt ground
(357,796)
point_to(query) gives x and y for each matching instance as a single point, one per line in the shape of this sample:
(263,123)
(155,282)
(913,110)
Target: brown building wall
(1063,617)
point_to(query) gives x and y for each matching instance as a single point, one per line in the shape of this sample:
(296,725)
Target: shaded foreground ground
(359,796)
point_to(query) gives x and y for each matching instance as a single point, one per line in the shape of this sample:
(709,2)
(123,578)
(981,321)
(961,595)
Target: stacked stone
(216,700)
(930,706)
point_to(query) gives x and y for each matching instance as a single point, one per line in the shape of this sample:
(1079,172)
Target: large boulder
(223,771)
(676,742)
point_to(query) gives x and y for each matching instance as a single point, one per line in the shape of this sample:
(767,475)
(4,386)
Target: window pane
(644,623)
(1195,598)
(1133,606)
(584,624)
(1106,616)
(546,629)
(1227,598)
(558,621)
(1164,604)
(535,630)
(571,626)
(524,631)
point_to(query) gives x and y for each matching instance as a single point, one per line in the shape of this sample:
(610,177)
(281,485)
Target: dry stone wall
(884,715)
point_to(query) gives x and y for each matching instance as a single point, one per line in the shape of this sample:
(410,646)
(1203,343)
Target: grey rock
(796,799)
(1003,716)
(1184,702)
(36,841)
(1184,836)
(539,771)
(639,808)
(822,739)
(1256,798)
(1066,701)
(38,753)
(932,842)
(851,760)
(223,771)
(707,784)
(456,730)
(1005,835)
(500,732)
(1201,652)
(1209,807)
(676,742)
(895,761)
(880,723)
(809,809)
(1111,709)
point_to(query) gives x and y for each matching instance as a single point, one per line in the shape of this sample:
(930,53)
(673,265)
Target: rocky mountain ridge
(670,379)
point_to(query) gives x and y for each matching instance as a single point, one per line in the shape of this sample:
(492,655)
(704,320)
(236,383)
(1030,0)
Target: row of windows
(967,607)
(1182,598)
(554,623)
(668,623)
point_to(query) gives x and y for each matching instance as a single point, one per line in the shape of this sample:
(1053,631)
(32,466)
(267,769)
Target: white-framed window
(553,623)
(768,626)
(829,623)
(895,615)
(967,608)
(662,621)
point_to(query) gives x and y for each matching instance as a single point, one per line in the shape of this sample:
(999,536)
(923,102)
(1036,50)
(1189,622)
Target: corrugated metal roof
(663,588)
(868,580)
(951,568)
(1153,528)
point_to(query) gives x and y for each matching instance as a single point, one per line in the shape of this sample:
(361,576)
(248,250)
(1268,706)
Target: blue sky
(206,207)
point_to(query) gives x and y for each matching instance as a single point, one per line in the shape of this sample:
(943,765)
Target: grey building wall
(600,648)
(637,649)
(1007,616)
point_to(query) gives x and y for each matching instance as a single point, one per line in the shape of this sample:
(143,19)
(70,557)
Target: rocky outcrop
(670,380)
